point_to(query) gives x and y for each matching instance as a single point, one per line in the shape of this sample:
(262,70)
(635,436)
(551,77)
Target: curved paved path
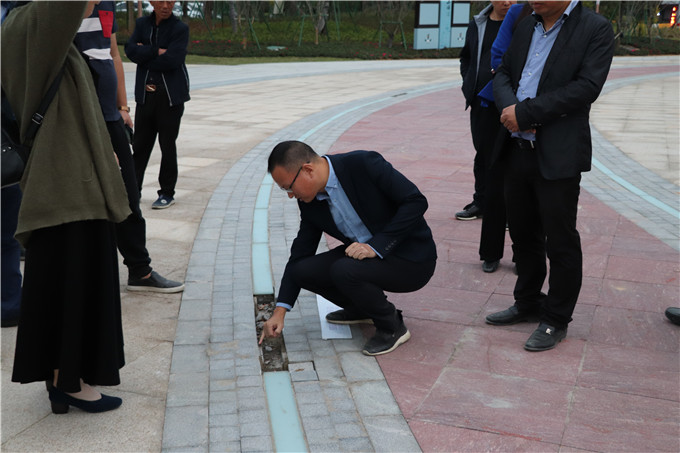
(458,384)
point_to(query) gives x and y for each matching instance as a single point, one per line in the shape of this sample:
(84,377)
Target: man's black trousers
(156,117)
(130,233)
(542,220)
(359,286)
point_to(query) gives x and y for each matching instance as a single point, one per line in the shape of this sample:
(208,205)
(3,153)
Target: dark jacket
(571,81)
(173,35)
(471,52)
(390,206)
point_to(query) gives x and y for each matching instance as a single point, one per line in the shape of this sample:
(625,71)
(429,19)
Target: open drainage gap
(273,355)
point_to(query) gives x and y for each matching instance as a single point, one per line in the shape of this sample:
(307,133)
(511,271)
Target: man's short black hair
(290,155)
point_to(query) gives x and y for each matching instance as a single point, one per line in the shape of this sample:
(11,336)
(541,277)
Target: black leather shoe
(469,212)
(510,316)
(673,315)
(545,337)
(61,402)
(384,342)
(342,317)
(490,266)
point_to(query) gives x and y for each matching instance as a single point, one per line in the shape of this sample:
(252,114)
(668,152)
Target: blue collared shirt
(345,217)
(541,44)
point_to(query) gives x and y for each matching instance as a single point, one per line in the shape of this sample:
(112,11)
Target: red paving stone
(462,385)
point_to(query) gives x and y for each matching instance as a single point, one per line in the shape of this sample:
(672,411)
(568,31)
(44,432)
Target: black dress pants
(485,134)
(156,117)
(130,233)
(542,220)
(359,286)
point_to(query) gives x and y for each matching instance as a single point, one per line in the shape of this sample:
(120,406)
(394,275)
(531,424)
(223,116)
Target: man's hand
(274,326)
(360,251)
(508,118)
(162,51)
(126,118)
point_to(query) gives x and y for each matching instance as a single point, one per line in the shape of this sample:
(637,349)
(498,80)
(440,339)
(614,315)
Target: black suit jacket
(571,81)
(388,203)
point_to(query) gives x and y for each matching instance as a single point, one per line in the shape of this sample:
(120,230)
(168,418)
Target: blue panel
(444,24)
(262,271)
(260,226)
(426,38)
(283,413)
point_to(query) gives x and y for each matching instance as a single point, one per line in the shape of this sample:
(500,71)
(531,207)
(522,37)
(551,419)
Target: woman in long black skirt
(70,331)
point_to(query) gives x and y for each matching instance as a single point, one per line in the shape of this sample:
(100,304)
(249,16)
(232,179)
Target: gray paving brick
(312,410)
(374,398)
(359,367)
(316,436)
(185,427)
(390,434)
(225,446)
(189,359)
(356,444)
(317,422)
(257,444)
(187,389)
(224,420)
(325,447)
(231,433)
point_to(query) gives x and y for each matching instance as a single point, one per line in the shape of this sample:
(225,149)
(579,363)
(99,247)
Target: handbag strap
(37,118)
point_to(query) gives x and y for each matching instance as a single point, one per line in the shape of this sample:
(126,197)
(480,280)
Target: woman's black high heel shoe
(61,402)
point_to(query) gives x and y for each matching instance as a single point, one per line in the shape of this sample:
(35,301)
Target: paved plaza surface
(193,380)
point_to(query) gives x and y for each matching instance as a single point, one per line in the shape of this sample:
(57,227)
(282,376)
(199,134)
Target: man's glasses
(290,188)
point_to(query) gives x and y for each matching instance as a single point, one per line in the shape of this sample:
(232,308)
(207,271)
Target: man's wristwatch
(124,108)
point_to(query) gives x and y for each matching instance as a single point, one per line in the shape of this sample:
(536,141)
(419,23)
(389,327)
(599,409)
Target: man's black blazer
(571,81)
(389,204)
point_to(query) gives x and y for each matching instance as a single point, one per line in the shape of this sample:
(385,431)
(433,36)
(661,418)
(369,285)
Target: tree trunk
(233,17)
(208,7)
(130,6)
(140,9)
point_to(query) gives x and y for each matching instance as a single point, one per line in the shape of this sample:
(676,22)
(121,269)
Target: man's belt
(151,88)
(524,144)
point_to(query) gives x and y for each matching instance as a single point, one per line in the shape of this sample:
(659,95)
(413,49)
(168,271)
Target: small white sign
(330,331)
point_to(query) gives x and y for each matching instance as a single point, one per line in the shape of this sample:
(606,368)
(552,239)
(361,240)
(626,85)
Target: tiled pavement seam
(215,343)
(216,398)
(661,224)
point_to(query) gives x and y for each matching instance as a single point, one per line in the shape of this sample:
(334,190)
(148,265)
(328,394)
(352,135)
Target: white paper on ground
(330,331)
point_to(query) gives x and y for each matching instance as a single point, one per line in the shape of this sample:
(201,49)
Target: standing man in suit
(552,72)
(377,213)
(475,69)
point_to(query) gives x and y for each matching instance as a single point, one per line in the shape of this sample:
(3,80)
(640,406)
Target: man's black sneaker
(384,342)
(490,266)
(545,337)
(342,317)
(163,202)
(155,283)
(673,315)
(469,212)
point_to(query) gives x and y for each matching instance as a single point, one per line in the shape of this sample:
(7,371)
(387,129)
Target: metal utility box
(459,23)
(440,24)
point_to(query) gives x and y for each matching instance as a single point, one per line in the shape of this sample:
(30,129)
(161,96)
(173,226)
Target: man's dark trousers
(130,233)
(542,219)
(359,286)
(156,117)
(485,125)
(480,119)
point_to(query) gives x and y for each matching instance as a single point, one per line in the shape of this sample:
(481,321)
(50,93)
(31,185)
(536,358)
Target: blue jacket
(173,35)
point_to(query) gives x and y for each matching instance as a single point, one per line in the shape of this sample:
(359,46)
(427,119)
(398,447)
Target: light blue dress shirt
(541,44)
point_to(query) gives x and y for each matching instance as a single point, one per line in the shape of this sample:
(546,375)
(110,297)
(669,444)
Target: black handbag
(14,153)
